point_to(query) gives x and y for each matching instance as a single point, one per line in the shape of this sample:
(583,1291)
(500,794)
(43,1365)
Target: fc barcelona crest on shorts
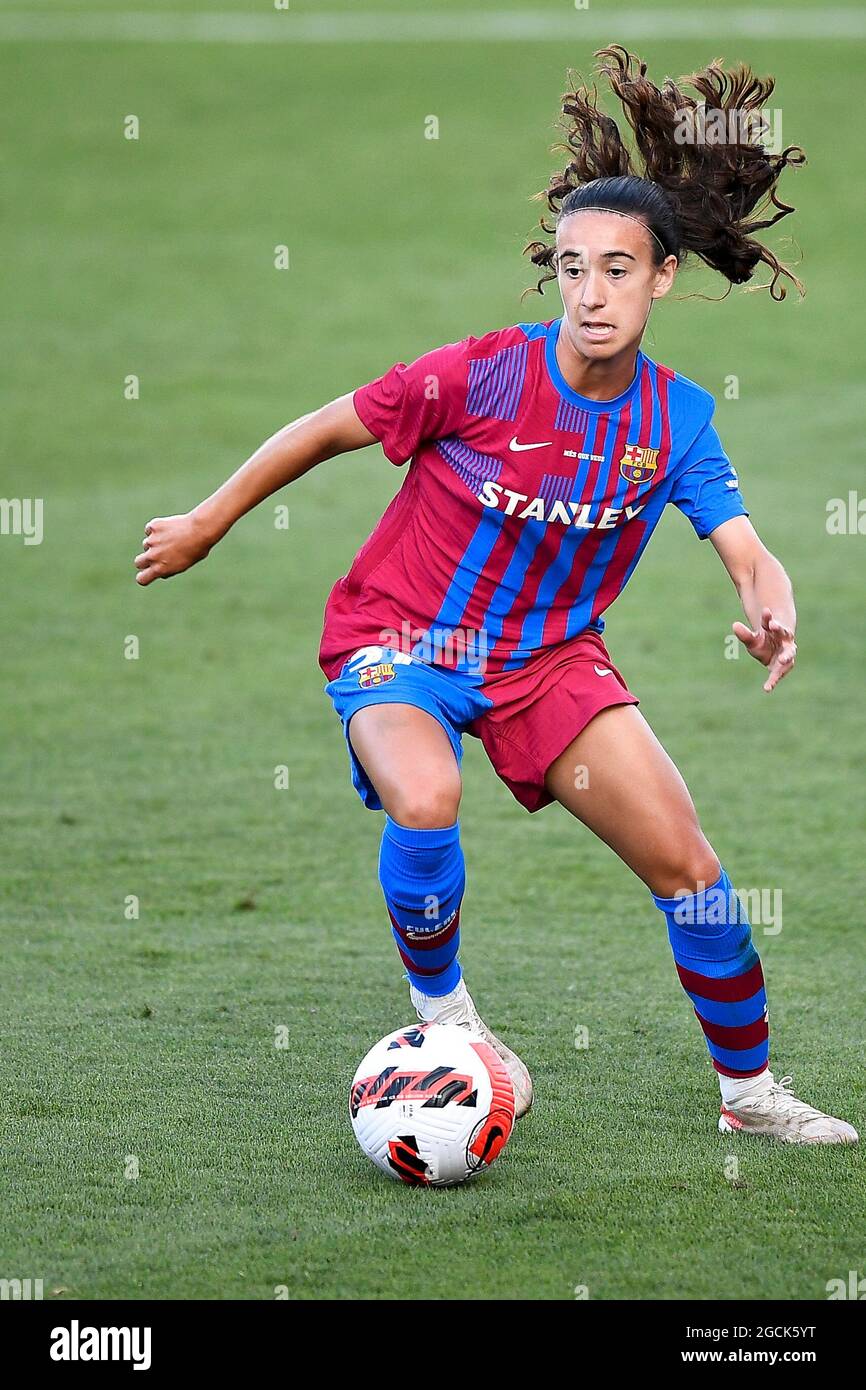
(637,464)
(376,675)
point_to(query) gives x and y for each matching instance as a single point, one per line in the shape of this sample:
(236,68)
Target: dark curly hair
(694,195)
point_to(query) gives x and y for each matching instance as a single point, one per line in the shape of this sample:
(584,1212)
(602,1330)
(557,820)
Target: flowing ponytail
(695,194)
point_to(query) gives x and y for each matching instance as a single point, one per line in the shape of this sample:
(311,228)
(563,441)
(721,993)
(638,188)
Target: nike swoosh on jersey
(519,448)
(602,671)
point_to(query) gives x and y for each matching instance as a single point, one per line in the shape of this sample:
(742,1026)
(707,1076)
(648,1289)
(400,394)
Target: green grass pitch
(148,1044)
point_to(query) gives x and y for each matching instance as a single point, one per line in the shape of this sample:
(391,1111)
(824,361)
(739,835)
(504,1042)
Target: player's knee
(429,806)
(689,867)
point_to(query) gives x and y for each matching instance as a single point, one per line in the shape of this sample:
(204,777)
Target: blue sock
(422,874)
(720,971)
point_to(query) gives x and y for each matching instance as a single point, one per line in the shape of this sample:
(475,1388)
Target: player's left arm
(766,595)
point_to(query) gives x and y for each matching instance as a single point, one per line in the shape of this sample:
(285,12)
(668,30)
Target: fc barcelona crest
(637,464)
(376,675)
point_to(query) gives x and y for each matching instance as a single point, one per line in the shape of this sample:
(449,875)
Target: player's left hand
(772,644)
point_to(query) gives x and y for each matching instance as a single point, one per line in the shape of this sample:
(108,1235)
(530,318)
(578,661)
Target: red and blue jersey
(525,507)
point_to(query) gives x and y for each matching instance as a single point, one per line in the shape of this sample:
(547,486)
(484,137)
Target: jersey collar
(561,385)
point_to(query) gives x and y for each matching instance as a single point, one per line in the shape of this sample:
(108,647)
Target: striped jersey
(525,507)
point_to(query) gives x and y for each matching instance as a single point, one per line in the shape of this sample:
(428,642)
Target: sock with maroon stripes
(721,973)
(422,874)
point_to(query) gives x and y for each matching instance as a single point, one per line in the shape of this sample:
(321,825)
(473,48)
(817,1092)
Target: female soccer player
(542,456)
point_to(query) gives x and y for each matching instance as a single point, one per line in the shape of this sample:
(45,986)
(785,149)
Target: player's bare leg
(408,758)
(633,797)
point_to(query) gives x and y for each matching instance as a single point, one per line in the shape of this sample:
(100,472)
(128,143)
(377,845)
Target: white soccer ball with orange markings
(432,1105)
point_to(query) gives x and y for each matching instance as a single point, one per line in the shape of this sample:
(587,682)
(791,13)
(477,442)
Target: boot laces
(787,1104)
(463,1012)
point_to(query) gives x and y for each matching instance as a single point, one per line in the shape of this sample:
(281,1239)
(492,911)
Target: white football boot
(775,1113)
(458,1007)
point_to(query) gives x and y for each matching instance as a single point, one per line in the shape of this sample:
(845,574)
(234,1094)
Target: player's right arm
(173,544)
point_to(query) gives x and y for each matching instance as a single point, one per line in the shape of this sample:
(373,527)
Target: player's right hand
(171,545)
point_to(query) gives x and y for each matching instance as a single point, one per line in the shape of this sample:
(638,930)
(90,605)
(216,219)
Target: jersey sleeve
(424,400)
(707,489)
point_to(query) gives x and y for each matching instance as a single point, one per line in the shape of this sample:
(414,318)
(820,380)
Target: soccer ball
(432,1104)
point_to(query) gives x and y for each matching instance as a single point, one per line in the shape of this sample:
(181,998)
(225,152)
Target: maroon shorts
(525,718)
(540,708)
